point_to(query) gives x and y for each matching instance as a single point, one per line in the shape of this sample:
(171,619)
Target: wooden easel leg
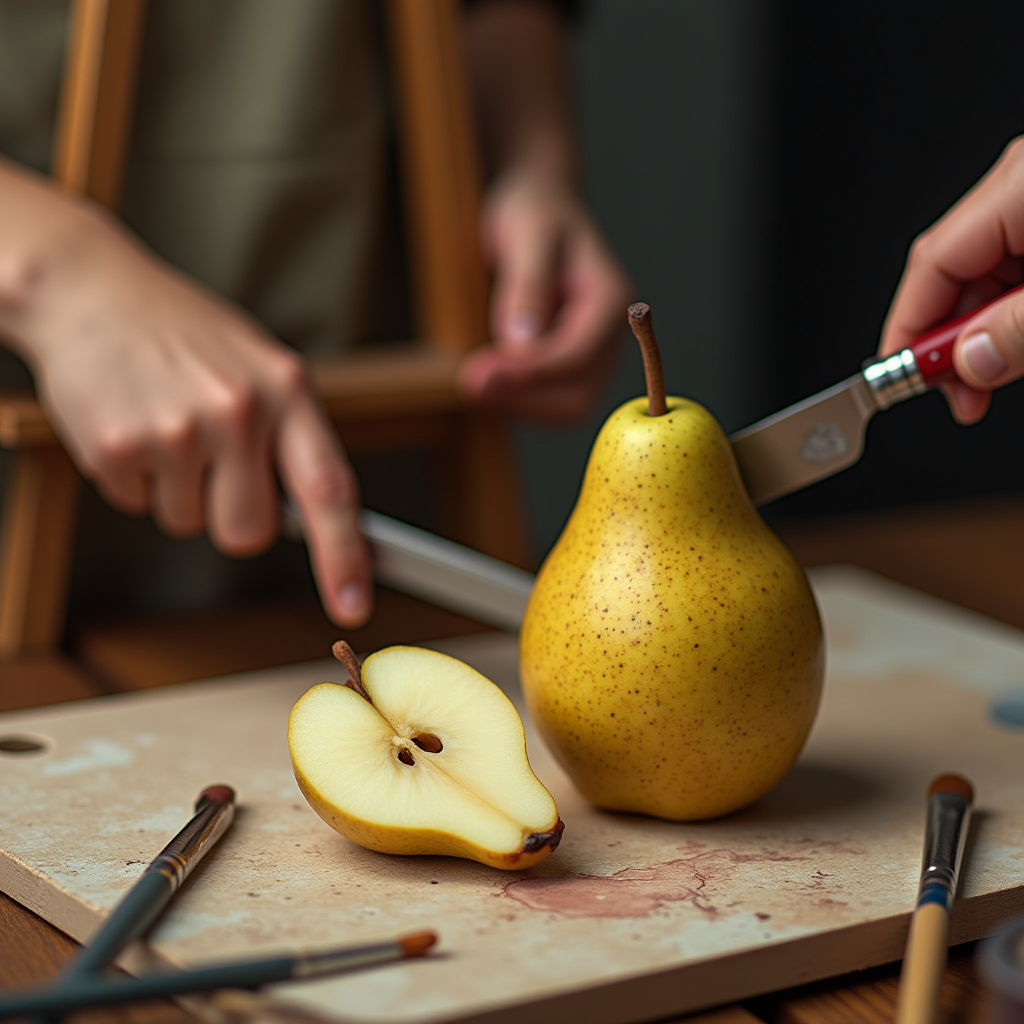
(480,501)
(35,550)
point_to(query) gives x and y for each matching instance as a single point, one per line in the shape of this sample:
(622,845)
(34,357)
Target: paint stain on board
(639,892)
(98,754)
(1008,709)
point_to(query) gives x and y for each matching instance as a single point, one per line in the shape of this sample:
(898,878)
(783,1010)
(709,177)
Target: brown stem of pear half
(643,327)
(538,840)
(344,653)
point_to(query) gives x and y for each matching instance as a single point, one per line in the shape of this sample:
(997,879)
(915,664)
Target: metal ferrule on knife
(894,379)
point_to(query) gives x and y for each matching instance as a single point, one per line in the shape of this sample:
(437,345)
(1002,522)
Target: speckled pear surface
(671,653)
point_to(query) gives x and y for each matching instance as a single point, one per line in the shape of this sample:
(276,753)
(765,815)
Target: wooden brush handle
(923,966)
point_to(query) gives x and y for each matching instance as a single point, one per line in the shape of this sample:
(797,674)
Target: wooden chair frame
(379,402)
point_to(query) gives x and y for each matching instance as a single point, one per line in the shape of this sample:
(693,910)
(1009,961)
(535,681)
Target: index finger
(971,241)
(318,477)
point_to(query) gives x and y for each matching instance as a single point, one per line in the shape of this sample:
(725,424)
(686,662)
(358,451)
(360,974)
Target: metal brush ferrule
(314,965)
(189,846)
(894,379)
(946,833)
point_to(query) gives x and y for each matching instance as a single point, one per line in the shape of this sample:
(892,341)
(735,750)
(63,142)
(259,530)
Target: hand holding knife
(821,435)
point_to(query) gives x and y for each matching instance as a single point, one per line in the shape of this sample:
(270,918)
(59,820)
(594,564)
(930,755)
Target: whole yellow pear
(671,652)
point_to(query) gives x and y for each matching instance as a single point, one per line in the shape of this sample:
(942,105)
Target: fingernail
(353,602)
(980,357)
(522,328)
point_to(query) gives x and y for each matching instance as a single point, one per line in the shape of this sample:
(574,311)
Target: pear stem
(643,328)
(344,653)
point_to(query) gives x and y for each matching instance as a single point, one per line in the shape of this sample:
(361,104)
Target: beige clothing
(259,164)
(258,158)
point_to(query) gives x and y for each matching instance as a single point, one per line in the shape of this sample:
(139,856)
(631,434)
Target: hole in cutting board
(21,745)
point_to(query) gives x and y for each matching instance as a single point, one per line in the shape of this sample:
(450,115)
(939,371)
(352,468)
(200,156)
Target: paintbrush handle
(950,798)
(146,899)
(132,917)
(80,993)
(83,992)
(924,963)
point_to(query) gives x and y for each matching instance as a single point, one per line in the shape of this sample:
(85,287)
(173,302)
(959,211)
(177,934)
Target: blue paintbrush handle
(132,917)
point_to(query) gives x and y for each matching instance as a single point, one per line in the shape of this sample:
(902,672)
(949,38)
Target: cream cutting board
(632,919)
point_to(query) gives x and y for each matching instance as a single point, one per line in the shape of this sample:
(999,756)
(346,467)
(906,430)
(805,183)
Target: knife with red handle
(824,434)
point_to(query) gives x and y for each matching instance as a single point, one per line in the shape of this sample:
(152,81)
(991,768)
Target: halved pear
(421,754)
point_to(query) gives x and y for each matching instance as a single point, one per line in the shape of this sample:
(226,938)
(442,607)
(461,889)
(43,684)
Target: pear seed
(428,742)
(405,757)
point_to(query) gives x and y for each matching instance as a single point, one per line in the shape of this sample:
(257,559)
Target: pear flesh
(433,763)
(671,652)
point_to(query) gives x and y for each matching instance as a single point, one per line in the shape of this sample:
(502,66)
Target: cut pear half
(422,755)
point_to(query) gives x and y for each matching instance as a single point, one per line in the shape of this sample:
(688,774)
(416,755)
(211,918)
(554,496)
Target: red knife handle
(933,351)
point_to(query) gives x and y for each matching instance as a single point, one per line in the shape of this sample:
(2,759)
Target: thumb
(990,350)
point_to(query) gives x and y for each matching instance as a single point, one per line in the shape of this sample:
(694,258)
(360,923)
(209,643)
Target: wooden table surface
(970,554)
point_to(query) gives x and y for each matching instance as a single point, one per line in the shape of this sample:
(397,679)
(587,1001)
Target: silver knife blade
(824,433)
(416,562)
(806,442)
(456,577)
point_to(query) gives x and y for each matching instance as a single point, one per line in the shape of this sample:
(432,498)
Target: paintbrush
(135,914)
(81,992)
(949,814)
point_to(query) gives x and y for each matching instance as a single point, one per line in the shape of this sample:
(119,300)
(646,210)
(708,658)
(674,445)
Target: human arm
(559,298)
(974,253)
(173,401)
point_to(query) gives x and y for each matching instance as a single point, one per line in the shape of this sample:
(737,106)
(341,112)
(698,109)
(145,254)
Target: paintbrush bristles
(222,794)
(417,943)
(951,783)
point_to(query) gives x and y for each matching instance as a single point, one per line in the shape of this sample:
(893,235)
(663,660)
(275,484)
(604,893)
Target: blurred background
(761,169)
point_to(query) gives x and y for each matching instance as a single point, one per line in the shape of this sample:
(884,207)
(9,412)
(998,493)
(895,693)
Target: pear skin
(671,652)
